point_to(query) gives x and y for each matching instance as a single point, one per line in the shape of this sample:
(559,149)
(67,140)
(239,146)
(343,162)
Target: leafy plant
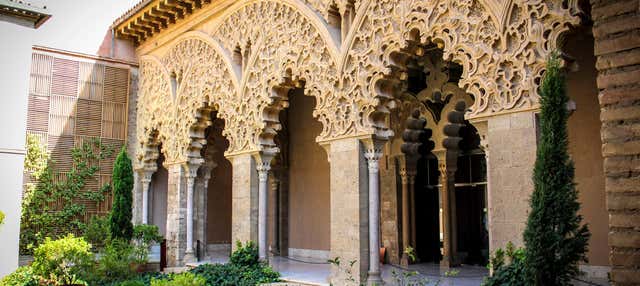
(2,216)
(97,232)
(554,238)
(23,276)
(144,236)
(244,269)
(120,219)
(59,261)
(508,267)
(182,279)
(245,255)
(116,262)
(51,202)
(347,269)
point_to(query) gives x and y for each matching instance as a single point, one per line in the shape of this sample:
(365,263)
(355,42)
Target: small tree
(554,238)
(120,219)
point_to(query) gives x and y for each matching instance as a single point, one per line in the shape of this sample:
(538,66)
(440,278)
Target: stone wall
(617,46)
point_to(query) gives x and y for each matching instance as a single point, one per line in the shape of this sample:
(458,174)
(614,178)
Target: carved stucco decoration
(502,49)
(286,48)
(202,80)
(153,102)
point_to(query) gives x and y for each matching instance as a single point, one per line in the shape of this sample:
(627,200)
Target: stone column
(373,153)
(146,181)
(405,215)
(349,210)
(263,166)
(201,194)
(244,199)
(176,214)
(447,180)
(191,174)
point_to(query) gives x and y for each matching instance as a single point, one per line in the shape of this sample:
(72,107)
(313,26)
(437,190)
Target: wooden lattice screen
(72,100)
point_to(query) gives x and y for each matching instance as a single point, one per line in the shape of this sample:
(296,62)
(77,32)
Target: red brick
(624,42)
(624,220)
(622,59)
(618,78)
(619,95)
(626,258)
(622,148)
(624,239)
(623,113)
(617,25)
(613,9)
(625,276)
(622,164)
(622,202)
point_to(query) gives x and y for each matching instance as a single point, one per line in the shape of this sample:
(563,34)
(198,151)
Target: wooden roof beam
(157,20)
(155,11)
(132,33)
(186,5)
(173,9)
(155,27)
(143,30)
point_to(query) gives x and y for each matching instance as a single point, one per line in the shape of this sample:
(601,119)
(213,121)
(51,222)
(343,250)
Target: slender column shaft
(190,186)
(373,157)
(405,215)
(145,199)
(263,175)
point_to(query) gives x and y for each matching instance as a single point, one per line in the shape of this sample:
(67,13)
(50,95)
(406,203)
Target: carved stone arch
(502,64)
(152,105)
(208,79)
(298,49)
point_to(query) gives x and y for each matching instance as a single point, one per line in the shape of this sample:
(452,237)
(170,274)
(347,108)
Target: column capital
(263,164)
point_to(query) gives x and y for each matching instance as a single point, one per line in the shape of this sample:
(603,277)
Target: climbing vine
(52,205)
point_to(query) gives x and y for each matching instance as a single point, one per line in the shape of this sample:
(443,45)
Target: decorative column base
(189,257)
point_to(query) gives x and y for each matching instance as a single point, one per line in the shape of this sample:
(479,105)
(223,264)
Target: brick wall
(617,47)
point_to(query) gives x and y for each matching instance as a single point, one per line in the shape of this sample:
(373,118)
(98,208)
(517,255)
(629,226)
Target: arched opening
(213,195)
(300,204)
(471,200)
(432,88)
(158,195)
(585,146)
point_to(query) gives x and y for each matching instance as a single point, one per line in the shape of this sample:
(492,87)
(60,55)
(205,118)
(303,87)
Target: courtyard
(320,142)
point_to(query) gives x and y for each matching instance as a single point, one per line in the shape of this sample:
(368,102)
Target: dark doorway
(427,208)
(471,206)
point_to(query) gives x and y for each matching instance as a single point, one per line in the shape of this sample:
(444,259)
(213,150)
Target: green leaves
(53,200)
(120,219)
(554,238)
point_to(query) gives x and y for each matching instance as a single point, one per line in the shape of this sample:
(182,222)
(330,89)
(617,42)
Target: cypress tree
(120,219)
(555,238)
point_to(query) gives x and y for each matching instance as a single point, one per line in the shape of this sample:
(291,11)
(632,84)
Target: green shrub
(120,218)
(555,238)
(244,269)
(2,216)
(508,267)
(116,262)
(97,232)
(245,255)
(182,279)
(23,276)
(144,236)
(60,261)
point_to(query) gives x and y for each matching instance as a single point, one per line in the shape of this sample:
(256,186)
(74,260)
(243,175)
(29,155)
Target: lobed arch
(288,45)
(203,75)
(503,52)
(152,106)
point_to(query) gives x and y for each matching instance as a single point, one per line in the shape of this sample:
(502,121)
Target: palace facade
(317,127)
